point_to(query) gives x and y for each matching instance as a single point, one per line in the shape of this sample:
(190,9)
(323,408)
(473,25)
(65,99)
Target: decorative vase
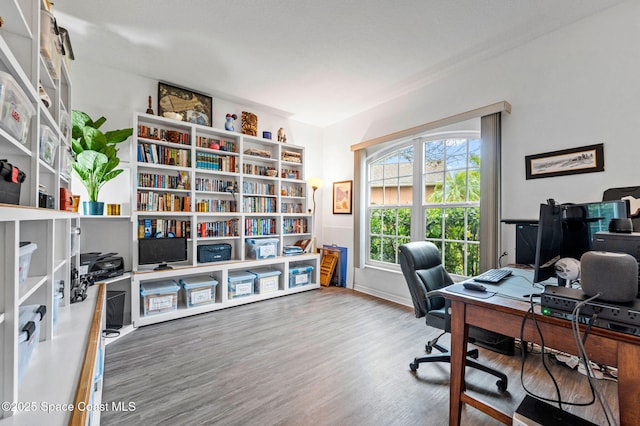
(228,124)
(93,208)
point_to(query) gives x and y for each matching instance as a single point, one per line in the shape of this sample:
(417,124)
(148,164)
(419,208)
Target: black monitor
(568,230)
(161,251)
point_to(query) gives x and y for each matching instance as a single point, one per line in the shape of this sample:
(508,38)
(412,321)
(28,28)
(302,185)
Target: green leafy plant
(96,154)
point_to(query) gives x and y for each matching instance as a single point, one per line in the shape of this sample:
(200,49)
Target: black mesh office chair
(423,271)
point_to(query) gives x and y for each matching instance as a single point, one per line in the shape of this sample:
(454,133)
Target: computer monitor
(568,230)
(160,251)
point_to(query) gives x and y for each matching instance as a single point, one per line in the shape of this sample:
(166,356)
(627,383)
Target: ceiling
(317,62)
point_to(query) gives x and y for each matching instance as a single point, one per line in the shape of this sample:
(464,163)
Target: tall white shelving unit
(215,186)
(53,374)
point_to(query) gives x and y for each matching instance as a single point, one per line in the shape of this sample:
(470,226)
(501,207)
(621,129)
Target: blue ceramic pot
(93,208)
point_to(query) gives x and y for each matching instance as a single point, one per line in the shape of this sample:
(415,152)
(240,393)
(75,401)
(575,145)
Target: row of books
(254,169)
(259,205)
(174,136)
(291,208)
(155,202)
(226,228)
(219,144)
(160,228)
(154,180)
(210,161)
(258,188)
(291,190)
(215,185)
(158,154)
(294,225)
(219,206)
(259,226)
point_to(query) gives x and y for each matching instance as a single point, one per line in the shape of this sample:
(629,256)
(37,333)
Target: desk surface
(504,314)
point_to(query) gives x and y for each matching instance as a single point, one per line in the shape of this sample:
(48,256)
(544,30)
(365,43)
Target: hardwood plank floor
(331,356)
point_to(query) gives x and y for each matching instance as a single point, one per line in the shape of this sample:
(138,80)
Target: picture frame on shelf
(192,106)
(342,197)
(584,159)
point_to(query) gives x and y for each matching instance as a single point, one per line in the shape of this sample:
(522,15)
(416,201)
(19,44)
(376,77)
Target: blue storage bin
(262,248)
(159,297)
(198,291)
(29,319)
(240,284)
(300,276)
(266,280)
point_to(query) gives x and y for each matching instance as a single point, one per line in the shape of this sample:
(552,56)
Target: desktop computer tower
(115,309)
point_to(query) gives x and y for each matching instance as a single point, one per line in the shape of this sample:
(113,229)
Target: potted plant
(96,156)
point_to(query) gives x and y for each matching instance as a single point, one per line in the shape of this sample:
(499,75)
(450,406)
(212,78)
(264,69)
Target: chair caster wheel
(413,366)
(428,348)
(502,385)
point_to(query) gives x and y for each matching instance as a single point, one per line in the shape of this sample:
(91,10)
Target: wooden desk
(504,315)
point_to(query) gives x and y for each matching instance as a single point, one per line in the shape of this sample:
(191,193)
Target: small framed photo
(584,159)
(192,106)
(342,197)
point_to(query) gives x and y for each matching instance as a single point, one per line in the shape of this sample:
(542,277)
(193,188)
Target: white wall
(577,86)
(109,92)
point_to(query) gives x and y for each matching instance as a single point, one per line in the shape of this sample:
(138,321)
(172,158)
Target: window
(437,199)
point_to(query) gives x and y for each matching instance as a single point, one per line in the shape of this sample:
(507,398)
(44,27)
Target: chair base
(472,354)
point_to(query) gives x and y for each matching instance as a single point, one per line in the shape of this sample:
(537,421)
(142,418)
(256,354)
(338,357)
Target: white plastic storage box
(50,45)
(300,276)
(159,297)
(198,291)
(240,284)
(15,109)
(266,280)
(29,320)
(48,145)
(26,250)
(262,248)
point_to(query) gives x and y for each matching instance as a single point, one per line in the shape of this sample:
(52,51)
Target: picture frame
(194,107)
(584,159)
(342,197)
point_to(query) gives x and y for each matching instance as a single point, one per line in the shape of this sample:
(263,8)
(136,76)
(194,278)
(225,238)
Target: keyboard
(492,276)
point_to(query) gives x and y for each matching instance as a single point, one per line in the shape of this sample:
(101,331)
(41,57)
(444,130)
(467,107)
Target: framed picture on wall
(192,106)
(342,197)
(585,159)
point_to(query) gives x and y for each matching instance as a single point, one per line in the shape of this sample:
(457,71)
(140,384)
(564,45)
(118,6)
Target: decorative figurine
(249,123)
(228,125)
(149,109)
(282,136)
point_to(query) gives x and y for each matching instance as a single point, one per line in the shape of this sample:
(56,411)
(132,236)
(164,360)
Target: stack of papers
(292,250)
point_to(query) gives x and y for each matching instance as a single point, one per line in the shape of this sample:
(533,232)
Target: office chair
(423,271)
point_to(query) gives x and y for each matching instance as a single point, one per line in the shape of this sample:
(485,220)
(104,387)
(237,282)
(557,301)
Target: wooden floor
(331,356)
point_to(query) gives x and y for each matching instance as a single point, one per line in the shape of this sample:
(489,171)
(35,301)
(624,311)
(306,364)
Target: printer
(100,266)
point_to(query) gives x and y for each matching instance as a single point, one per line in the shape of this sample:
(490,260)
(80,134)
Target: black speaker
(613,275)
(115,309)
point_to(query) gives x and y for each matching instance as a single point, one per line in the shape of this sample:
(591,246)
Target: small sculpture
(149,109)
(249,123)
(228,124)
(282,136)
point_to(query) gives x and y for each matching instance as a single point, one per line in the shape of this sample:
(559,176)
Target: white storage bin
(266,280)
(198,291)
(48,145)
(29,319)
(15,109)
(26,250)
(159,297)
(240,284)
(300,276)
(262,248)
